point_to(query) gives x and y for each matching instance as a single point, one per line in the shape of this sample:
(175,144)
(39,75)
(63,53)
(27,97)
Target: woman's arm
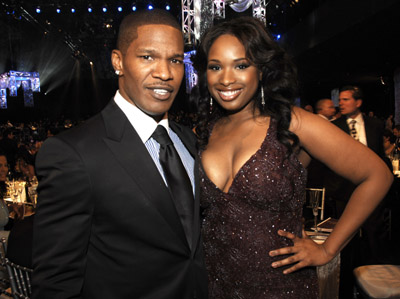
(353,161)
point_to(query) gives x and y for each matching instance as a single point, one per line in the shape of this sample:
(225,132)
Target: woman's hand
(305,252)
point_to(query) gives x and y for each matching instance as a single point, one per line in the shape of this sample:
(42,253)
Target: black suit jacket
(339,189)
(373,132)
(106,226)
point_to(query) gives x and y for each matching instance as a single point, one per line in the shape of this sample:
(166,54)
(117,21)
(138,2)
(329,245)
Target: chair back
(378,281)
(4,281)
(19,276)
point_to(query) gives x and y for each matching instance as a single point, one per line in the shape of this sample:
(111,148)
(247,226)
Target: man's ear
(358,103)
(116,61)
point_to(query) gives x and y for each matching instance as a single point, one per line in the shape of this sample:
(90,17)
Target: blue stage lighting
(73,10)
(150,7)
(134,8)
(167,7)
(119,8)
(58,10)
(90,9)
(104,8)
(38,9)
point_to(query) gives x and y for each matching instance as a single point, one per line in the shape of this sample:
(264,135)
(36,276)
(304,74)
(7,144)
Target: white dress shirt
(145,126)
(323,116)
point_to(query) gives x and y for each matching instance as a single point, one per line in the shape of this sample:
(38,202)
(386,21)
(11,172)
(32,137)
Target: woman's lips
(229,95)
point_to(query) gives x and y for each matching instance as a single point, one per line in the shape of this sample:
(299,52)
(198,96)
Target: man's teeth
(230,92)
(160,91)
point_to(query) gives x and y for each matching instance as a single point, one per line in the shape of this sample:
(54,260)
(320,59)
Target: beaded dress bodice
(240,226)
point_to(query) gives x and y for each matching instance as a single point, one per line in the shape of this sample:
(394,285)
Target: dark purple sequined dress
(240,227)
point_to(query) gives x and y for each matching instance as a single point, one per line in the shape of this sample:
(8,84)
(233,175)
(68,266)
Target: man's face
(348,105)
(327,109)
(152,69)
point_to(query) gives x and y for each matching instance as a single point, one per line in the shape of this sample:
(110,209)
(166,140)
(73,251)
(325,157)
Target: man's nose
(162,70)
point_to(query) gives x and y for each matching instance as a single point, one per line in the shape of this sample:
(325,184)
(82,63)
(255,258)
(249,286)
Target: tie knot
(353,122)
(161,136)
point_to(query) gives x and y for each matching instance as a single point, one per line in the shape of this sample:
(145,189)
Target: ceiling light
(105,8)
(167,6)
(119,8)
(38,10)
(90,8)
(73,10)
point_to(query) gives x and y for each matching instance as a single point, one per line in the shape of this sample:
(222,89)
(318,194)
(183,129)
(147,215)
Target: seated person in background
(9,146)
(19,248)
(396,131)
(24,169)
(388,143)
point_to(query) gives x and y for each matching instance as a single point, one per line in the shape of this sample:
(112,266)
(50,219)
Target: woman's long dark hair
(279,77)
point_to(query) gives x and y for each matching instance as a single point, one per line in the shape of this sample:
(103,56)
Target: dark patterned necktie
(353,130)
(177,179)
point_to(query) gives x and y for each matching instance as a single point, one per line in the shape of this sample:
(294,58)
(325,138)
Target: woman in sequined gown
(254,147)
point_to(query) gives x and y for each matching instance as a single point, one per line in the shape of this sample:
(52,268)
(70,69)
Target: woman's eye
(242,66)
(214,67)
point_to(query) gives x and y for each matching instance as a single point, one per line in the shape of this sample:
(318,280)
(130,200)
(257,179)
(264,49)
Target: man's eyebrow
(152,51)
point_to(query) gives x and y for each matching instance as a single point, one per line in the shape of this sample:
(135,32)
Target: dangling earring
(262,97)
(117,72)
(211,104)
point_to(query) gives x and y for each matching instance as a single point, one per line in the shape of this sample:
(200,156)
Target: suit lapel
(132,155)
(342,123)
(369,134)
(189,141)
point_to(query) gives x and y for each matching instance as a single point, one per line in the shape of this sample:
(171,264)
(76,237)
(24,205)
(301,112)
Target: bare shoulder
(302,121)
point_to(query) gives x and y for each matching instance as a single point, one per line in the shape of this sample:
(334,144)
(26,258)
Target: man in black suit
(107,224)
(368,131)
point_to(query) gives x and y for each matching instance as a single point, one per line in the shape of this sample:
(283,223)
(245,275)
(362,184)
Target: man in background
(369,245)
(325,109)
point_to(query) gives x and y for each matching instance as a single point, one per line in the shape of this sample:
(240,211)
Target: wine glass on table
(314,203)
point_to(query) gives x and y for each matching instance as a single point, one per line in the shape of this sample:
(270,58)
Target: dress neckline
(244,164)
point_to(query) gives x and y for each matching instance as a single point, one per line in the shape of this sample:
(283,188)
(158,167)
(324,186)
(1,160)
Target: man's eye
(146,57)
(177,61)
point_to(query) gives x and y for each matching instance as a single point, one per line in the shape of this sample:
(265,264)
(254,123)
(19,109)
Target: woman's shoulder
(299,117)
(304,123)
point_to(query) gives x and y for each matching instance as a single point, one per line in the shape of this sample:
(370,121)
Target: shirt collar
(359,119)
(323,116)
(143,124)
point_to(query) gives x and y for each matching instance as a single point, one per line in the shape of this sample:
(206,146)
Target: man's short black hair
(357,92)
(128,28)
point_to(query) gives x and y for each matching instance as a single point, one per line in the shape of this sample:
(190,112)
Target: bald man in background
(325,108)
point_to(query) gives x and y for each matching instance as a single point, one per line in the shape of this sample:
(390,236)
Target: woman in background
(254,147)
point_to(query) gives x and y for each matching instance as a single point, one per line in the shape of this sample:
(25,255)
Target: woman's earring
(211,104)
(117,72)
(262,97)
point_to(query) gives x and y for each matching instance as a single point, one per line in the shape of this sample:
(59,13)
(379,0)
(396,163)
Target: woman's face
(232,79)
(3,168)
